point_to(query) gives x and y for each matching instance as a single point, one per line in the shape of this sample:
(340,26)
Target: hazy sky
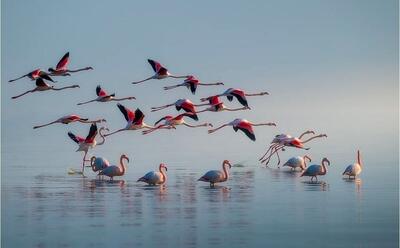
(331,66)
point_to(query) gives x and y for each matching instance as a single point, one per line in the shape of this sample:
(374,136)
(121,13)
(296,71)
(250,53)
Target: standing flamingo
(98,163)
(70,118)
(155,177)
(171,121)
(89,142)
(160,72)
(355,169)
(61,68)
(115,170)
(33,75)
(191,83)
(102,96)
(41,85)
(316,170)
(239,94)
(284,140)
(217,106)
(184,104)
(298,162)
(216,176)
(245,126)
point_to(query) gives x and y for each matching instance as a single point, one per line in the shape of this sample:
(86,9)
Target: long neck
(236,109)
(258,94)
(82,69)
(163,173)
(92,162)
(122,129)
(359,158)
(102,136)
(122,165)
(46,124)
(66,87)
(124,98)
(314,137)
(324,168)
(224,165)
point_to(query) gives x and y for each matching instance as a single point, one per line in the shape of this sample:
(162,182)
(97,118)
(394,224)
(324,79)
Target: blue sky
(331,66)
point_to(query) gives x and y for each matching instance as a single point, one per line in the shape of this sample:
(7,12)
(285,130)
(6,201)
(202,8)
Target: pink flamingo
(184,104)
(160,72)
(102,96)
(89,142)
(191,83)
(115,170)
(33,75)
(41,85)
(316,170)
(98,163)
(283,140)
(355,169)
(239,94)
(216,176)
(171,121)
(69,119)
(155,177)
(298,162)
(217,106)
(61,68)
(243,125)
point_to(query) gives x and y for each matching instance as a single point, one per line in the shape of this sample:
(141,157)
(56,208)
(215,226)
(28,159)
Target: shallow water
(256,207)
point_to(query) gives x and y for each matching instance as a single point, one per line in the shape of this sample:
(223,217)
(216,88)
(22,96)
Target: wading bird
(354,170)
(61,67)
(89,142)
(298,162)
(115,170)
(184,104)
(284,140)
(33,75)
(239,94)
(155,177)
(171,121)
(216,176)
(316,169)
(41,85)
(98,163)
(243,125)
(70,118)
(102,96)
(191,83)
(217,106)
(160,72)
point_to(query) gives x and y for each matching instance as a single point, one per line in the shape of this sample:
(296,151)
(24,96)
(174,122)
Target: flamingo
(33,75)
(191,83)
(134,120)
(171,121)
(155,177)
(160,72)
(245,126)
(102,96)
(115,170)
(217,106)
(284,140)
(355,169)
(316,170)
(239,94)
(298,162)
(70,118)
(216,176)
(184,104)
(62,70)
(89,142)
(41,85)
(98,163)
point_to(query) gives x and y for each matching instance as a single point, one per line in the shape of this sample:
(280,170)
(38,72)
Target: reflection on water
(255,207)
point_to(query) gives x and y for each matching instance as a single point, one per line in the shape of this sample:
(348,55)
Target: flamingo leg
(273,151)
(270,149)
(81,103)
(66,87)
(83,162)
(141,81)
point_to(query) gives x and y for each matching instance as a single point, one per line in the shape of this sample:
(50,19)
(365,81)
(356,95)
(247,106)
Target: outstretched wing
(92,133)
(41,83)
(213,100)
(164,118)
(190,115)
(75,138)
(100,91)
(156,66)
(128,114)
(246,127)
(139,116)
(193,87)
(63,63)
(239,94)
(187,106)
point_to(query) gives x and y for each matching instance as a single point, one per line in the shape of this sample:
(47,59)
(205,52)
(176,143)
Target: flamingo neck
(359,158)
(224,165)
(122,165)
(102,136)
(92,163)
(324,168)
(163,174)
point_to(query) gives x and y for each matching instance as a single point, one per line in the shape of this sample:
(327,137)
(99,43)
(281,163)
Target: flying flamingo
(33,75)
(160,72)
(89,142)
(171,121)
(61,68)
(298,162)
(245,126)
(316,170)
(115,170)
(217,106)
(191,83)
(134,120)
(354,170)
(102,96)
(70,118)
(239,94)
(216,176)
(98,163)
(284,140)
(41,85)
(155,177)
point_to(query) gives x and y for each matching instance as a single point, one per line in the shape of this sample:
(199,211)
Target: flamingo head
(325,160)
(228,163)
(162,165)
(123,156)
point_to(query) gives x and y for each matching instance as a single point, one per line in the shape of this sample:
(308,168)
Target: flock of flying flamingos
(135,122)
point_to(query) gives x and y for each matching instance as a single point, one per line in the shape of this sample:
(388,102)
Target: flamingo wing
(110,171)
(239,94)
(100,91)
(41,83)
(213,176)
(100,163)
(213,100)
(245,127)
(75,138)
(128,114)
(188,114)
(164,118)
(312,170)
(63,63)
(349,170)
(139,116)
(187,106)
(92,133)
(43,75)
(156,65)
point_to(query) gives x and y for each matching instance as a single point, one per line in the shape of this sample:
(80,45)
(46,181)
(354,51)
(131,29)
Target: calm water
(43,206)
